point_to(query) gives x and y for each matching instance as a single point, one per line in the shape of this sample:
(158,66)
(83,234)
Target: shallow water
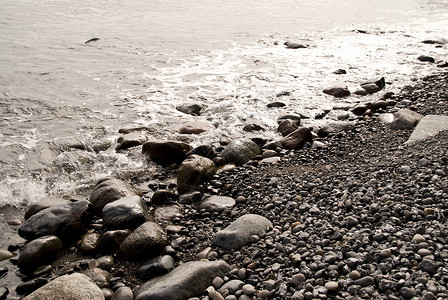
(229,56)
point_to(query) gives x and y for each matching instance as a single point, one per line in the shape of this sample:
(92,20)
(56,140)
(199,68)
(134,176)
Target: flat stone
(428,126)
(43,204)
(196,127)
(125,213)
(217,203)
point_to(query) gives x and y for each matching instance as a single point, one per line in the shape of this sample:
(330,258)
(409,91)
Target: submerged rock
(190,109)
(166,152)
(196,127)
(131,140)
(290,45)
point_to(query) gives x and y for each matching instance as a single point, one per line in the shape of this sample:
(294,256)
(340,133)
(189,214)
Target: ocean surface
(150,56)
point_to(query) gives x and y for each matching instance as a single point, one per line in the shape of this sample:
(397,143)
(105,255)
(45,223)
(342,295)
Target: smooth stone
(99,276)
(240,151)
(194,171)
(123,293)
(204,151)
(109,241)
(196,127)
(438,41)
(371,88)
(428,126)
(298,279)
(232,286)
(68,287)
(428,266)
(405,119)
(359,110)
(365,281)
(155,267)
(186,281)
(332,286)
(89,242)
(217,203)
(147,241)
(166,152)
(386,118)
(407,293)
(248,289)
(337,91)
(3,292)
(238,233)
(297,139)
(130,140)
(275,104)
(38,252)
(103,262)
(190,198)
(426,58)
(125,213)
(287,126)
(162,196)
(193,109)
(291,45)
(418,238)
(167,213)
(108,190)
(423,252)
(67,221)
(5,254)
(44,203)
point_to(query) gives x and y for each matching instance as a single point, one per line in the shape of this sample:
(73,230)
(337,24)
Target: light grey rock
(428,126)
(68,287)
(217,203)
(125,213)
(194,171)
(123,293)
(131,140)
(186,281)
(238,234)
(196,127)
(232,286)
(405,119)
(240,151)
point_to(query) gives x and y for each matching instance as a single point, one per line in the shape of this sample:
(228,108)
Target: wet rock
(3,293)
(4,255)
(297,139)
(361,92)
(190,198)
(425,58)
(295,118)
(123,293)
(30,286)
(186,281)
(252,127)
(99,276)
(194,171)
(435,41)
(43,204)
(131,140)
(167,213)
(240,151)
(75,286)
(204,151)
(371,88)
(291,45)
(238,233)
(125,213)
(196,127)
(89,242)
(190,109)
(276,104)
(109,190)
(145,242)
(287,126)
(109,241)
(67,221)
(374,85)
(38,252)
(217,203)
(163,197)
(337,91)
(359,110)
(166,152)
(386,118)
(340,72)
(155,267)
(405,119)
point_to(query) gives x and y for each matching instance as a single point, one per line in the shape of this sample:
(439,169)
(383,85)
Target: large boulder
(287,126)
(38,252)
(217,203)
(238,234)
(337,91)
(186,281)
(240,151)
(43,204)
(428,126)
(68,287)
(146,241)
(109,190)
(297,139)
(196,127)
(166,152)
(125,213)
(68,221)
(405,119)
(194,171)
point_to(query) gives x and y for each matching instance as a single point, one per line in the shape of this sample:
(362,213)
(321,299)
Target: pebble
(418,238)
(331,286)
(298,279)
(248,289)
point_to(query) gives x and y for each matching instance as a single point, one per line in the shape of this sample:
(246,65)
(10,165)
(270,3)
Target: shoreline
(345,211)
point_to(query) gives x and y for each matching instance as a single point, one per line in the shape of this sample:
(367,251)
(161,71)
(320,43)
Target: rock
(38,252)
(385,118)
(287,126)
(163,197)
(30,286)
(428,266)
(190,198)
(332,286)
(109,241)
(67,221)
(196,127)
(405,119)
(190,109)
(374,85)
(295,118)
(425,58)
(125,213)
(109,190)
(68,287)
(380,104)
(167,213)
(275,104)
(123,293)
(334,128)
(166,152)
(238,233)
(290,45)
(418,238)
(231,286)
(407,293)
(204,151)
(186,281)
(252,127)
(437,41)
(99,276)
(43,204)
(365,281)
(217,203)
(240,151)
(4,255)
(340,72)
(89,242)
(428,126)
(145,242)
(194,171)
(155,267)
(359,110)
(361,92)
(131,140)
(3,293)
(297,139)
(337,91)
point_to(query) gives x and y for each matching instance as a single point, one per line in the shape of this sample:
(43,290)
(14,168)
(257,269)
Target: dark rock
(290,45)
(359,110)
(43,204)
(297,139)
(167,213)
(294,118)
(276,104)
(125,213)
(425,58)
(186,281)
(194,171)
(38,252)
(204,151)
(109,241)
(3,293)
(145,242)
(109,190)
(405,119)
(407,293)
(190,109)
(238,234)
(371,88)
(190,198)
(287,126)
(380,83)
(340,72)
(99,276)
(131,140)
(240,151)
(68,221)
(437,41)
(28,287)
(337,91)
(365,281)
(163,197)
(380,104)
(428,266)
(166,152)
(155,267)
(361,92)
(252,127)
(196,127)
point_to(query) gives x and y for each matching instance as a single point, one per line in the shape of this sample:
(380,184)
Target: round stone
(298,279)
(248,289)
(332,285)
(418,238)
(355,275)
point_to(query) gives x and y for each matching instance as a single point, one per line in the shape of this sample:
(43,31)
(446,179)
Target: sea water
(150,56)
